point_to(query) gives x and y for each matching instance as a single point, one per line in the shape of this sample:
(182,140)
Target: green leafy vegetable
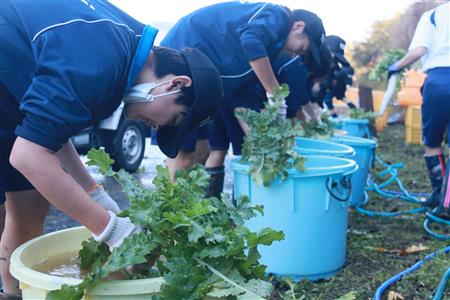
(93,255)
(205,245)
(70,292)
(361,114)
(379,73)
(268,146)
(320,130)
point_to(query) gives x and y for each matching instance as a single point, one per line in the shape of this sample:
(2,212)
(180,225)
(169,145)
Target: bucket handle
(345,181)
(374,154)
(367,132)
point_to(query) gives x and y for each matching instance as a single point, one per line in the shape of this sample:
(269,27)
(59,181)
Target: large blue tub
(302,206)
(353,127)
(309,146)
(365,149)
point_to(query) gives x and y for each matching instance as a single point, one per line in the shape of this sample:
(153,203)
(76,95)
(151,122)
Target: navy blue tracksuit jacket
(63,65)
(231,34)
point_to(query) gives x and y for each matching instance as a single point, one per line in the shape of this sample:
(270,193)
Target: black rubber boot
(445,195)
(351,105)
(436,168)
(215,187)
(4,296)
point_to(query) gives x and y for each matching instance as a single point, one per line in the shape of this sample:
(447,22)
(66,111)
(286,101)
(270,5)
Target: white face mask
(142,92)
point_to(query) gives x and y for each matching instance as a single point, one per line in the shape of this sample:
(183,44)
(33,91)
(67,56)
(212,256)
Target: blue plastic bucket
(353,127)
(306,209)
(308,146)
(365,149)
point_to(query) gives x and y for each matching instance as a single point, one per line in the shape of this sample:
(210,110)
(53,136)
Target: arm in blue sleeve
(75,72)
(264,31)
(295,76)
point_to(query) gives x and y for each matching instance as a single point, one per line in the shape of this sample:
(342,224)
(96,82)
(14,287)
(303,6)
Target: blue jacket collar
(143,49)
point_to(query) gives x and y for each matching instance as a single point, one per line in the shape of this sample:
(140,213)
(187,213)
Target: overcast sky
(350,19)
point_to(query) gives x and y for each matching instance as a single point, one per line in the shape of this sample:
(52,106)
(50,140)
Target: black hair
(313,25)
(300,14)
(310,18)
(319,71)
(170,61)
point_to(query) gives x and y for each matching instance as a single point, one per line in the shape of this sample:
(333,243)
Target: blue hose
(413,198)
(392,170)
(433,217)
(378,188)
(425,195)
(405,195)
(369,213)
(441,287)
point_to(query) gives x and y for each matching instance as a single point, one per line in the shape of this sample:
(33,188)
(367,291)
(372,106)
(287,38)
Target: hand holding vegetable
(117,230)
(282,112)
(393,69)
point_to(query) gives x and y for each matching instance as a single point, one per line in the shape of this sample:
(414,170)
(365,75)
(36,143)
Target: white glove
(281,115)
(101,197)
(117,230)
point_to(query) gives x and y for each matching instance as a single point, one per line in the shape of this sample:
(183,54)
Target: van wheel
(128,146)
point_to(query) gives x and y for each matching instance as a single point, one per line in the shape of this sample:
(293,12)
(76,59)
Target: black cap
(318,71)
(337,46)
(208,94)
(314,29)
